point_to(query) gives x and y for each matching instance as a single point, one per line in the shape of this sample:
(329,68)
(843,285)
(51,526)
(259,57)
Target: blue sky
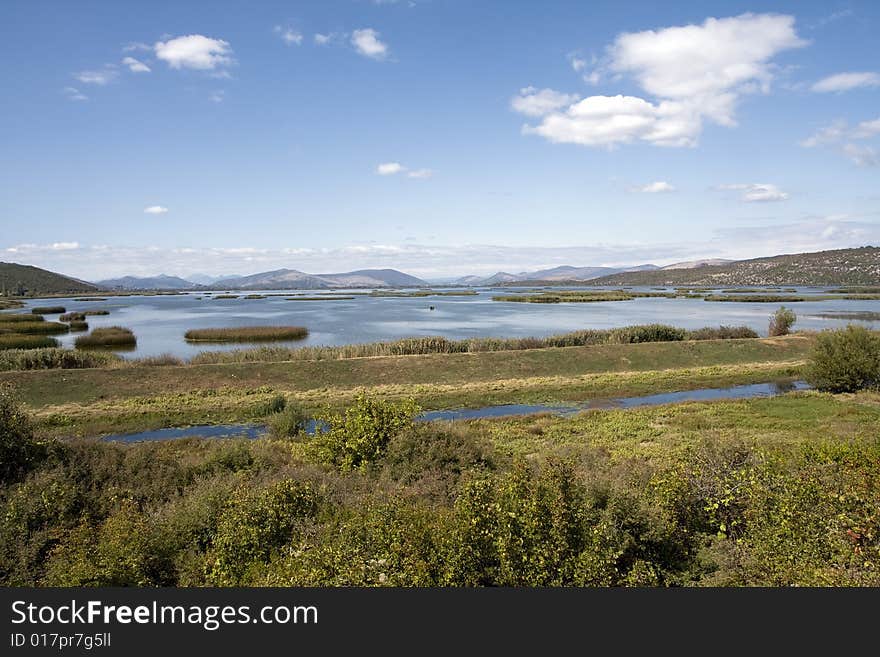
(438,137)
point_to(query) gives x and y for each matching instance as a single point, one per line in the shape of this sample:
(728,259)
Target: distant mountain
(693,264)
(840,267)
(563,274)
(160,282)
(207,279)
(292,279)
(26,280)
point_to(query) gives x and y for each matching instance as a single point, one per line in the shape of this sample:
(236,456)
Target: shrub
(162,360)
(288,422)
(113,336)
(361,435)
(647,333)
(254,525)
(722,333)
(782,321)
(19,451)
(48,310)
(845,360)
(16,341)
(247,334)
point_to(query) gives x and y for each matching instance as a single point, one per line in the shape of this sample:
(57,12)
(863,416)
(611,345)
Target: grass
(90,401)
(226,296)
(247,334)
(9,304)
(441,345)
(111,336)
(48,310)
(79,325)
(424,293)
(72,317)
(20,341)
(570,297)
(54,358)
(90,299)
(95,312)
(866,289)
(780,298)
(9,318)
(34,328)
(253,296)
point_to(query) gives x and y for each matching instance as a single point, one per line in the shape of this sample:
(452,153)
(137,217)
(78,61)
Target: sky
(438,137)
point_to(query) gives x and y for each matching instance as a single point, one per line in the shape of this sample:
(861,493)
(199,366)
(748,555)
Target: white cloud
(155,209)
(100,77)
(135,46)
(72,93)
(64,246)
(863,156)
(135,66)
(288,35)
(368,44)
(420,173)
(693,72)
(841,137)
(658,187)
(846,81)
(323,39)
(194,51)
(217,96)
(578,64)
(757,192)
(533,102)
(389,168)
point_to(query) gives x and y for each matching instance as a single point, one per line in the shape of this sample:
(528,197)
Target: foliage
(19,451)
(288,421)
(781,322)
(845,360)
(112,336)
(18,341)
(247,334)
(47,310)
(722,333)
(54,358)
(34,328)
(361,434)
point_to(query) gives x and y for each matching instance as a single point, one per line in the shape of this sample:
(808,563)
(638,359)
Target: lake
(159,322)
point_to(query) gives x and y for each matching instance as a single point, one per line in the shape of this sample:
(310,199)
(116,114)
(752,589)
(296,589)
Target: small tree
(846,360)
(19,452)
(782,321)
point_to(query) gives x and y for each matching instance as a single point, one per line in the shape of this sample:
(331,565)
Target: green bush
(361,435)
(845,360)
(647,333)
(19,451)
(722,333)
(287,422)
(782,321)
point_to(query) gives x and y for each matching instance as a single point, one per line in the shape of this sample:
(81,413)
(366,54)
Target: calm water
(159,322)
(500,410)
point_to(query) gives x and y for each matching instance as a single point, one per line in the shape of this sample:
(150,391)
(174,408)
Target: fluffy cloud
(420,173)
(155,209)
(692,73)
(658,187)
(99,77)
(860,155)
(846,81)
(194,51)
(389,168)
(368,44)
(288,35)
(757,192)
(323,39)
(533,102)
(135,66)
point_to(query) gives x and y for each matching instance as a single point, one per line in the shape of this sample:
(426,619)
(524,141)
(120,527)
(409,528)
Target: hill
(25,280)
(160,282)
(563,275)
(839,267)
(281,279)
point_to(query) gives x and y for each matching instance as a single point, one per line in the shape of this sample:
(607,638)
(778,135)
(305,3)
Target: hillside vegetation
(841,267)
(24,280)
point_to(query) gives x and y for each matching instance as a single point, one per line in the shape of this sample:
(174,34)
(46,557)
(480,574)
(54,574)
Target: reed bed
(255,296)
(95,312)
(424,293)
(50,358)
(111,336)
(72,317)
(247,334)
(865,289)
(48,310)
(226,296)
(35,328)
(335,297)
(21,341)
(757,298)
(7,319)
(90,299)
(441,345)
(79,325)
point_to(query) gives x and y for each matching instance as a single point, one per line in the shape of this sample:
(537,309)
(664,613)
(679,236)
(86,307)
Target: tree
(782,321)
(846,360)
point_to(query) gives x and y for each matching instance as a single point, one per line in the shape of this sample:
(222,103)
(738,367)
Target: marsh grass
(6,319)
(335,297)
(756,298)
(247,334)
(48,310)
(441,345)
(95,312)
(79,325)
(226,296)
(111,336)
(72,317)
(20,341)
(90,299)
(862,315)
(35,328)
(55,358)
(424,293)
(255,296)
